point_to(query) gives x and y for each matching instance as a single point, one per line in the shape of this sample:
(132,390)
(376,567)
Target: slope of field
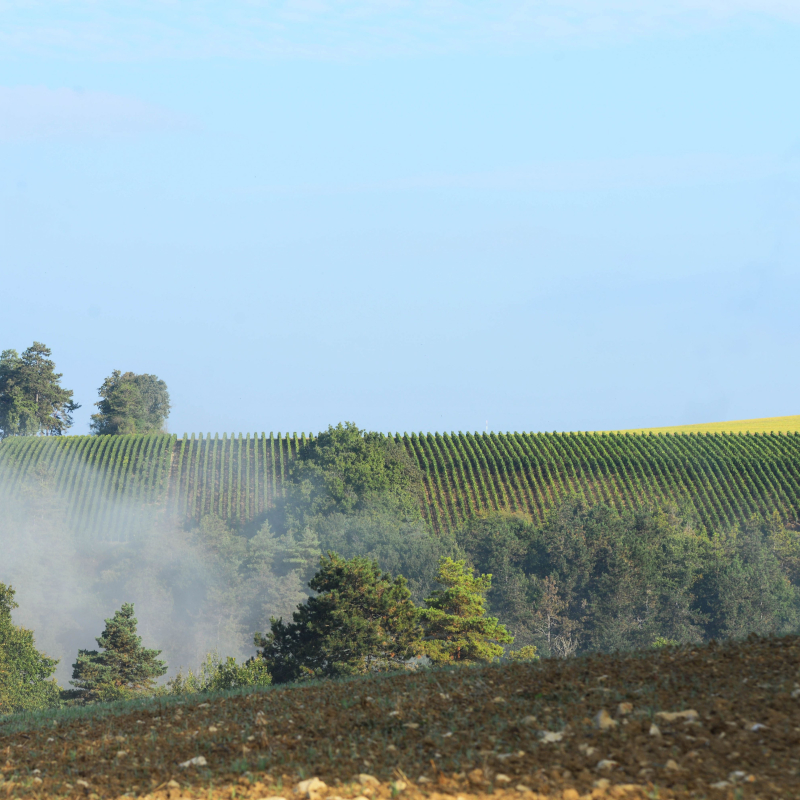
(763,425)
(721,721)
(109,482)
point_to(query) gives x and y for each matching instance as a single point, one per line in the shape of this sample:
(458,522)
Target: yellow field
(766,424)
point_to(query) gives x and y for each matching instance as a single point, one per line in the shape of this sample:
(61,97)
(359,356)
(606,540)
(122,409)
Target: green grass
(763,425)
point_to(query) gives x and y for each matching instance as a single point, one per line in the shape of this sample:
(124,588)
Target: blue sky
(562,215)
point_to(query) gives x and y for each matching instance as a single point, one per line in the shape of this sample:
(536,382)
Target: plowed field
(719,721)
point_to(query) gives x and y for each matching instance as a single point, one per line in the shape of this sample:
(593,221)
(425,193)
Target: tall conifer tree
(124,668)
(456,628)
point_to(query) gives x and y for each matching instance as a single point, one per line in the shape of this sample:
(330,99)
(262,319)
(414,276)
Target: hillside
(108,482)
(763,425)
(722,721)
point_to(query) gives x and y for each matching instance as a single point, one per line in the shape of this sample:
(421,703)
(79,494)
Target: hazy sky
(575,214)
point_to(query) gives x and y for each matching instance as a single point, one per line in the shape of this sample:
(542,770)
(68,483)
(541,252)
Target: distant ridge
(763,425)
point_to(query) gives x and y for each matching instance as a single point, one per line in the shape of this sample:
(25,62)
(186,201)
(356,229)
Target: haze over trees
(32,400)
(26,682)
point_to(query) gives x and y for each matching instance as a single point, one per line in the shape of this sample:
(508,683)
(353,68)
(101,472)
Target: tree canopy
(361,620)
(25,673)
(456,628)
(131,403)
(125,667)
(595,578)
(32,400)
(216,673)
(346,469)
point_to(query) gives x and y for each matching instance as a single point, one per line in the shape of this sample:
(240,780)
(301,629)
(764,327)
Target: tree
(131,403)
(362,620)
(346,470)
(456,628)
(25,683)
(644,581)
(124,669)
(402,547)
(745,588)
(32,400)
(215,674)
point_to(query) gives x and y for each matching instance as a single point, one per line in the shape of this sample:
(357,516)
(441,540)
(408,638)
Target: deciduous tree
(25,682)
(131,403)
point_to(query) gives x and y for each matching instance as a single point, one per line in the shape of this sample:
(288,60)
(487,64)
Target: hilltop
(721,720)
(762,425)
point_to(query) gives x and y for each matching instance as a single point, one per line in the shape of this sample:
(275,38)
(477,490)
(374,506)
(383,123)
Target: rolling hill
(108,482)
(711,721)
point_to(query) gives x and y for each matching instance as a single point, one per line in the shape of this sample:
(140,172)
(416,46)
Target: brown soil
(525,731)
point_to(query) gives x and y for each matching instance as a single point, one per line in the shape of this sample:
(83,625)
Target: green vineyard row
(110,484)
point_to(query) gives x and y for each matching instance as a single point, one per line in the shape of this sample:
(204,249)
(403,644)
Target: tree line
(359,620)
(33,401)
(386,592)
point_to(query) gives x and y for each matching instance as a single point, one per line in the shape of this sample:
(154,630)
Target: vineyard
(111,484)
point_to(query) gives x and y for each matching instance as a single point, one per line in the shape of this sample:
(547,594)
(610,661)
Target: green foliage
(596,578)
(124,669)
(245,580)
(746,588)
(400,546)
(526,653)
(456,628)
(25,682)
(216,673)
(32,400)
(361,620)
(661,641)
(358,493)
(131,403)
(346,469)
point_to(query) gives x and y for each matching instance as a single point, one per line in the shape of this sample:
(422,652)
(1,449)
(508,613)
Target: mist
(194,589)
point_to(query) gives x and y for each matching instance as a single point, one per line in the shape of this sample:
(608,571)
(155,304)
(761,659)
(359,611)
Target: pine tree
(25,683)
(456,628)
(32,400)
(361,620)
(125,668)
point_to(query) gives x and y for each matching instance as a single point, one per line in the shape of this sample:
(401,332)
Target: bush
(215,674)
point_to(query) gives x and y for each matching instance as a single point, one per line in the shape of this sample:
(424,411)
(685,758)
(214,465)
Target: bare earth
(719,721)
